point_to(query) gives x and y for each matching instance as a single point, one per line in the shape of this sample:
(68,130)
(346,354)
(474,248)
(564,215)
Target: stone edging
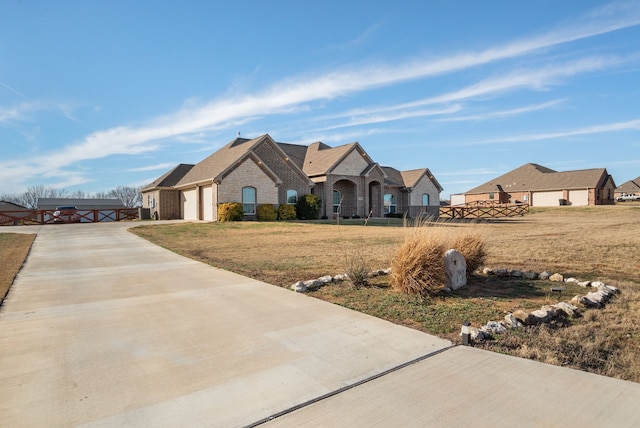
(593,299)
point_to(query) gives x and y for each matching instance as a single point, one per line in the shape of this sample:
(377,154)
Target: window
(336,201)
(491,195)
(249,200)
(389,204)
(425,199)
(292,197)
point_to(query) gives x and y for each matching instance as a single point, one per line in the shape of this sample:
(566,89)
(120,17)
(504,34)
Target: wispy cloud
(503,113)
(160,166)
(597,129)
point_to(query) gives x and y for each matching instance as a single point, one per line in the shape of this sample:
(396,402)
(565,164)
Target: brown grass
(417,267)
(14,248)
(473,247)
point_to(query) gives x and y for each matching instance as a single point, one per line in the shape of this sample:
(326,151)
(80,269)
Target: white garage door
(190,205)
(207,203)
(546,199)
(579,197)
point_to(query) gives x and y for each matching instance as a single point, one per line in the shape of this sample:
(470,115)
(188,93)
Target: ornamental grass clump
(417,267)
(473,248)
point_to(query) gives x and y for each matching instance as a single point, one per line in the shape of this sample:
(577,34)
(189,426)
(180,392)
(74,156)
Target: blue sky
(98,94)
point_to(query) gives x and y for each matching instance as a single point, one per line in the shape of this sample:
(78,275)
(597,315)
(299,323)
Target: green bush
(308,207)
(287,212)
(230,211)
(266,212)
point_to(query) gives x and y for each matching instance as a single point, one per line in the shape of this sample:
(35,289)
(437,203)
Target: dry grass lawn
(589,243)
(14,248)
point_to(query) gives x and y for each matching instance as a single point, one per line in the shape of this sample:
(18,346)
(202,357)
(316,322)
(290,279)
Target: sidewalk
(102,328)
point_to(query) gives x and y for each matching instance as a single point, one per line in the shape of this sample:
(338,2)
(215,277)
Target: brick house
(262,171)
(540,186)
(631,187)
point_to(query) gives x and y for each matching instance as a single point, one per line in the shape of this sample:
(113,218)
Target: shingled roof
(631,186)
(407,179)
(534,177)
(171,178)
(320,158)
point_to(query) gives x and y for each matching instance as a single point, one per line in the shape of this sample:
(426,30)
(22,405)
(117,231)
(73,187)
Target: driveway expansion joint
(349,387)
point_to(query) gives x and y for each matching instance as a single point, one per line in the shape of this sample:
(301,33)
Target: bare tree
(130,196)
(30,198)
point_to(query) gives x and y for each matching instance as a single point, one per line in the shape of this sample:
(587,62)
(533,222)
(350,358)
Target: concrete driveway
(102,329)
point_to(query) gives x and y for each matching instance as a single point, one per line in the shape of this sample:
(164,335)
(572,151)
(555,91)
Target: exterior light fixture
(466,333)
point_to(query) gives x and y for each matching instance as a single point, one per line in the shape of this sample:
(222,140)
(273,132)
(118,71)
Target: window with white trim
(425,199)
(389,203)
(292,197)
(249,200)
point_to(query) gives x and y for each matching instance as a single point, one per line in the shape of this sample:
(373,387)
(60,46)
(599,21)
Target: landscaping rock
(530,275)
(540,316)
(556,277)
(597,284)
(502,272)
(584,283)
(568,309)
(521,316)
(571,281)
(516,273)
(455,269)
(478,336)
(511,321)
(326,279)
(299,287)
(487,271)
(544,275)
(493,327)
(313,283)
(340,277)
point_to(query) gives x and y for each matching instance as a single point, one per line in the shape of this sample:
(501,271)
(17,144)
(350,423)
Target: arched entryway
(345,198)
(375,199)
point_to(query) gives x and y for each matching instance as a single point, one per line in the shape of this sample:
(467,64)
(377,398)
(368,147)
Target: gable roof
(536,177)
(170,178)
(7,205)
(631,186)
(408,179)
(320,159)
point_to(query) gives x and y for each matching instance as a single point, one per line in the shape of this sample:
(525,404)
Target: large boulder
(455,269)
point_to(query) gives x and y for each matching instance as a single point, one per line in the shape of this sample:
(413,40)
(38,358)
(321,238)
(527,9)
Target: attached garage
(578,197)
(190,204)
(546,199)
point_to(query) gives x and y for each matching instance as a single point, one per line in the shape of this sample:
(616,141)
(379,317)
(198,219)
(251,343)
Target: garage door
(579,197)
(207,203)
(546,199)
(190,205)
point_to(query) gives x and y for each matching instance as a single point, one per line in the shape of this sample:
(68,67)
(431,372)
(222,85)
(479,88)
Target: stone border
(518,319)
(547,313)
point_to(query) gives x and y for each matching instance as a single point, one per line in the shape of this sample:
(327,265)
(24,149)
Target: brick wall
(248,173)
(282,167)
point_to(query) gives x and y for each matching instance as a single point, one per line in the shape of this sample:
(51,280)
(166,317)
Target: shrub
(308,207)
(287,212)
(417,267)
(357,268)
(230,211)
(472,246)
(266,212)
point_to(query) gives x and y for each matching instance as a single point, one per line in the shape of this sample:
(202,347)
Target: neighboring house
(17,211)
(631,187)
(79,203)
(540,186)
(262,171)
